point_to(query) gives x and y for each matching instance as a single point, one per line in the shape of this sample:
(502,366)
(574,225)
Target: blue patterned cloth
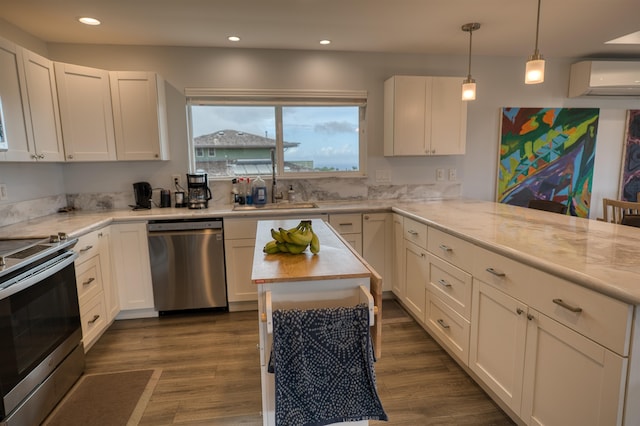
(323,364)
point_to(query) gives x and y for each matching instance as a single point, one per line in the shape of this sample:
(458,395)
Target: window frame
(279,99)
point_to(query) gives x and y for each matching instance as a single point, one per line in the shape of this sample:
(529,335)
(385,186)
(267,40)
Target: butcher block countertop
(334,261)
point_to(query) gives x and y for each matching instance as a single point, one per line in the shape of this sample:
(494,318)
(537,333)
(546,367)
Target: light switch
(439,174)
(452,174)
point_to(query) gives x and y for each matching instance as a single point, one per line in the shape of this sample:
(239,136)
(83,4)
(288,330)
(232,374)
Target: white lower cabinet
(546,373)
(398,286)
(95,287)
(377,244)
(239,242)
(565,369)
(349,226)
(130,254)
(416,276)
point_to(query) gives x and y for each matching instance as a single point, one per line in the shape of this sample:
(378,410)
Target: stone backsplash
(330,189)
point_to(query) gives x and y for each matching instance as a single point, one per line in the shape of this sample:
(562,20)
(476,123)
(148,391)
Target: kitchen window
(313,134)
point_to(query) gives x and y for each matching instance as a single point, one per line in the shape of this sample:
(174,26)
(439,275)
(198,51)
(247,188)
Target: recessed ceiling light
(325,42)
(233,38)
(89,21)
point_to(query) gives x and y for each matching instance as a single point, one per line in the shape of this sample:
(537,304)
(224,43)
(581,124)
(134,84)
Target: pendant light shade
(534,72)
(469,84)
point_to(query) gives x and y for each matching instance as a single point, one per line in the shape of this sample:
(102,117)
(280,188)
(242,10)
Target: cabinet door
(415,261)
(130,252)
(139,114)
(407,123)
(112,304)
(85,112)
(15,109)
(448,117)
(377,243)
(498,333)
(43,107)
(569,379)
(239,258)
(398,284)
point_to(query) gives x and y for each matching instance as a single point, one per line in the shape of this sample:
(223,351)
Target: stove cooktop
(11,246)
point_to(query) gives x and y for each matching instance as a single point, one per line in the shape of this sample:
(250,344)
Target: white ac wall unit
(604,78)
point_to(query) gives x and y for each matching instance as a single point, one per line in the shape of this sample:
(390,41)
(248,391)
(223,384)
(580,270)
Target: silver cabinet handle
(568,307)
(87,248)
(444,283)
(445,248)
(366,217)
(95,318)
(347,224)
(496,272)
(519,311)
(443,324)
(530,317)
(412,232)
(89,281)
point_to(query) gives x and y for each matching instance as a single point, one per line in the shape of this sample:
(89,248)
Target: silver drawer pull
(89,281)
(95,318)
(519,311)
(445,248)
(347,224)
(412,232)
(87,248)
(443,324)
(496,272)
(444,283)
(567,306)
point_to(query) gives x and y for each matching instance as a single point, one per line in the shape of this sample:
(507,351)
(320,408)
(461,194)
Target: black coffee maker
(198,192)
(143,192)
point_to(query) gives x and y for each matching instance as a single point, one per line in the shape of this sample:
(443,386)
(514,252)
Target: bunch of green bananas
(294,240)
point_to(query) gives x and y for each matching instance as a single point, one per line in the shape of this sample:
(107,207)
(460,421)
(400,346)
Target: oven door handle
(37,274)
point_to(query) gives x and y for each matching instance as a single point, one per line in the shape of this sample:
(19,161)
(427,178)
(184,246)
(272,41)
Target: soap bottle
(259,189)
(248,193)
(242,191)
(291,194)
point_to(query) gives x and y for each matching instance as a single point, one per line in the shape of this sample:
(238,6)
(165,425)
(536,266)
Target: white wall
(499,79)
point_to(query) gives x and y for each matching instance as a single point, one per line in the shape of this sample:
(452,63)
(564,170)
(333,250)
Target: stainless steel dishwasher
(187,264)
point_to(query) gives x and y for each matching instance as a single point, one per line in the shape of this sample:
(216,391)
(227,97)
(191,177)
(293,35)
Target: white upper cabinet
(85,110)
(43,108)
(424,116)
(13,98)
(139,113)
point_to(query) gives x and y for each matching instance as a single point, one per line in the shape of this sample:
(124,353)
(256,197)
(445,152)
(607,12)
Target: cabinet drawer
(238,229)
(88,245)
(415,232)
(451,284)
(508,275)
(452,329)
(601,318)
(88,279)
(452,249)
(94,320)
(346,223)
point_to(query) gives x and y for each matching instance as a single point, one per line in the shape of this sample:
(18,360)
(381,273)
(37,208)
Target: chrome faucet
(274,185)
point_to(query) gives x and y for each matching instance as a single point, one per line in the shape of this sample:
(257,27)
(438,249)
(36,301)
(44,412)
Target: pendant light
(469,84)
(534,73)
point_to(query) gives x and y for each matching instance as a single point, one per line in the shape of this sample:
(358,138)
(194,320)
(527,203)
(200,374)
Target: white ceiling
(569,28)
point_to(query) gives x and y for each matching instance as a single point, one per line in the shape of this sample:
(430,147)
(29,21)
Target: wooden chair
(614,210)
(549,206)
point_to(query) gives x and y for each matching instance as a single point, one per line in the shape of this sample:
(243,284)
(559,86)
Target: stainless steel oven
(40,332)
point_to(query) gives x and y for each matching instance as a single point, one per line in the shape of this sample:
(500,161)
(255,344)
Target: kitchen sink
(277,206)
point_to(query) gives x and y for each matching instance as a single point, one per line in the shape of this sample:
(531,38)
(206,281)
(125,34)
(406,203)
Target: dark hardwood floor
(211,372)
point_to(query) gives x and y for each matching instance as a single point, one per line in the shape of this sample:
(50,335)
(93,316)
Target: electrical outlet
(452,174)
(383,176)
(175,180)
(3,191)
(439,174)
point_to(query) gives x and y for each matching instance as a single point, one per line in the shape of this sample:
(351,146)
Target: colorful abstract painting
(630,176)
(548,154)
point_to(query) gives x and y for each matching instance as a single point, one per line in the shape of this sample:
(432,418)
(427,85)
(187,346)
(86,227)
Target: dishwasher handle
(200,225)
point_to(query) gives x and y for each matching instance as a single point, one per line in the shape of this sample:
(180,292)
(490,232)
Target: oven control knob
(2,261)
(62,236)
(54,239)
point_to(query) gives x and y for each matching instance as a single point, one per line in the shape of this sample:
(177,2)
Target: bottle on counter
(291,194)
(259,190)
(248,195)
(242,191)
(234,192)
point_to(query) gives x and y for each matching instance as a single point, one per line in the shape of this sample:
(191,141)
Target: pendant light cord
(470,40)
(536,52)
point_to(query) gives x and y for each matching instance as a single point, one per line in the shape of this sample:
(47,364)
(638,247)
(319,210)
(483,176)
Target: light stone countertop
(597,255)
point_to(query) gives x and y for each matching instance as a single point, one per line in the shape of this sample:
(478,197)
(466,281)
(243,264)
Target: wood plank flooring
(211,371)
